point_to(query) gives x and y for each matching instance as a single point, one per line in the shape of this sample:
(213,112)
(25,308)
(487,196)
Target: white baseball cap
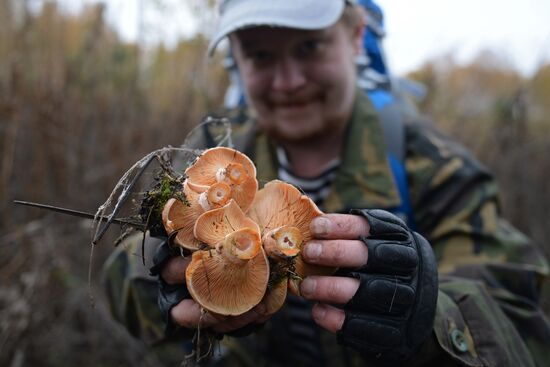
(300,14)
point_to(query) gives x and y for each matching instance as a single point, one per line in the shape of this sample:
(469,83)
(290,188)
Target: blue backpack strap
(391,120)
(403,211)
(393,129)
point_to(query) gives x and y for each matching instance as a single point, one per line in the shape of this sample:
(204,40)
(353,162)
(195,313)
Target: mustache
(289,99)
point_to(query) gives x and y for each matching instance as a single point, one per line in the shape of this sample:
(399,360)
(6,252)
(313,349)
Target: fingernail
(320,226)
(308,286)
(313,250)
(319,312)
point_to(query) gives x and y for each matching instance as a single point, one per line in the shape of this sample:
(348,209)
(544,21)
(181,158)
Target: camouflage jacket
(490,273)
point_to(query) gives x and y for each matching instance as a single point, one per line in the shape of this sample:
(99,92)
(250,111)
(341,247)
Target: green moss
(279,270)
(167,185)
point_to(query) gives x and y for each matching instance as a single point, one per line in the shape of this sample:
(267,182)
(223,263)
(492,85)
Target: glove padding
(169,295)
(391,314)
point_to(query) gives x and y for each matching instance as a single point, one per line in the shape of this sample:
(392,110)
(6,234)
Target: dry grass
(77,108)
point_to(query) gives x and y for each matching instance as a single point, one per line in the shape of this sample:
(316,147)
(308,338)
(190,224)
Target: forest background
(78,106)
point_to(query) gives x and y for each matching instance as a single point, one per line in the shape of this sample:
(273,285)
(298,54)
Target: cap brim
(299,14)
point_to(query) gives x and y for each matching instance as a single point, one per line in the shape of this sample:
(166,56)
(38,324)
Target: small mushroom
(282,242)
(225,165)
(232,278)
(215,196)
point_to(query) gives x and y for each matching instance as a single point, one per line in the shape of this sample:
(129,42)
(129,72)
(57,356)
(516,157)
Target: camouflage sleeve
(131,292)
(488,312)
(132,297)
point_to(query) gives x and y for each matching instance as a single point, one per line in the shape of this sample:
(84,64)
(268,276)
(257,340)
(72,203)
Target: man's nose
(289,75)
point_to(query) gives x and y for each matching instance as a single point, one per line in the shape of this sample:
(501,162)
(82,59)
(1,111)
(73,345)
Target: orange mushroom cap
(225,287)
(181,217)
(275,297)
(226,165)
(214,225)
(293,286)
(281,204)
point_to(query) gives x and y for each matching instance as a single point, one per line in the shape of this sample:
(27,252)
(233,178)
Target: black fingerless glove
(169,295)
(392,312)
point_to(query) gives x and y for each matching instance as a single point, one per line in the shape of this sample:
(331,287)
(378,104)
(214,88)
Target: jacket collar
(364,179)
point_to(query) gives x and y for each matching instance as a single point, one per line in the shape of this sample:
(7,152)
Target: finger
(238,322)
(336,253)
(337,290)
(339,226)
(189,314)
(174,270)
(263,319)
(328,317)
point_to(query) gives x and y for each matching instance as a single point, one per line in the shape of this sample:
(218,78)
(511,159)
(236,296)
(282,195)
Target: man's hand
(337,244)
(382,299)
(188,313)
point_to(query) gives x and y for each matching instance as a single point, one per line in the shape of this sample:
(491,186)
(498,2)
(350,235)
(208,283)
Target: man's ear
(359,31)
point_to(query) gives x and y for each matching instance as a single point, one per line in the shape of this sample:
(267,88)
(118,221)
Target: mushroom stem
(236,173)
(221,173)
(240,246)
(218,194)
(233,173)
(282,242)
(215,196)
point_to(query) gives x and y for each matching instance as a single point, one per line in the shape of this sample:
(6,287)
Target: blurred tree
(539,87)
(76,110)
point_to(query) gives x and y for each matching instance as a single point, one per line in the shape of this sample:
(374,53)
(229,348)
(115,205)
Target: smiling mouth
(295,102)
(292,104)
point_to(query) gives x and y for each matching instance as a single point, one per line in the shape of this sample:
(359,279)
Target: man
(385,305)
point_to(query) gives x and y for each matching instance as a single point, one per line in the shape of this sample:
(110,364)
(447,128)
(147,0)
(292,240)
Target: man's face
(301,84)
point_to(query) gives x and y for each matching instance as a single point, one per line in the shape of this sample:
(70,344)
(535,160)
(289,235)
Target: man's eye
(310,47)
(259,56)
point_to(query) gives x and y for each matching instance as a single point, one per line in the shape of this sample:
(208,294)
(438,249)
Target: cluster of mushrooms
(245,242)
